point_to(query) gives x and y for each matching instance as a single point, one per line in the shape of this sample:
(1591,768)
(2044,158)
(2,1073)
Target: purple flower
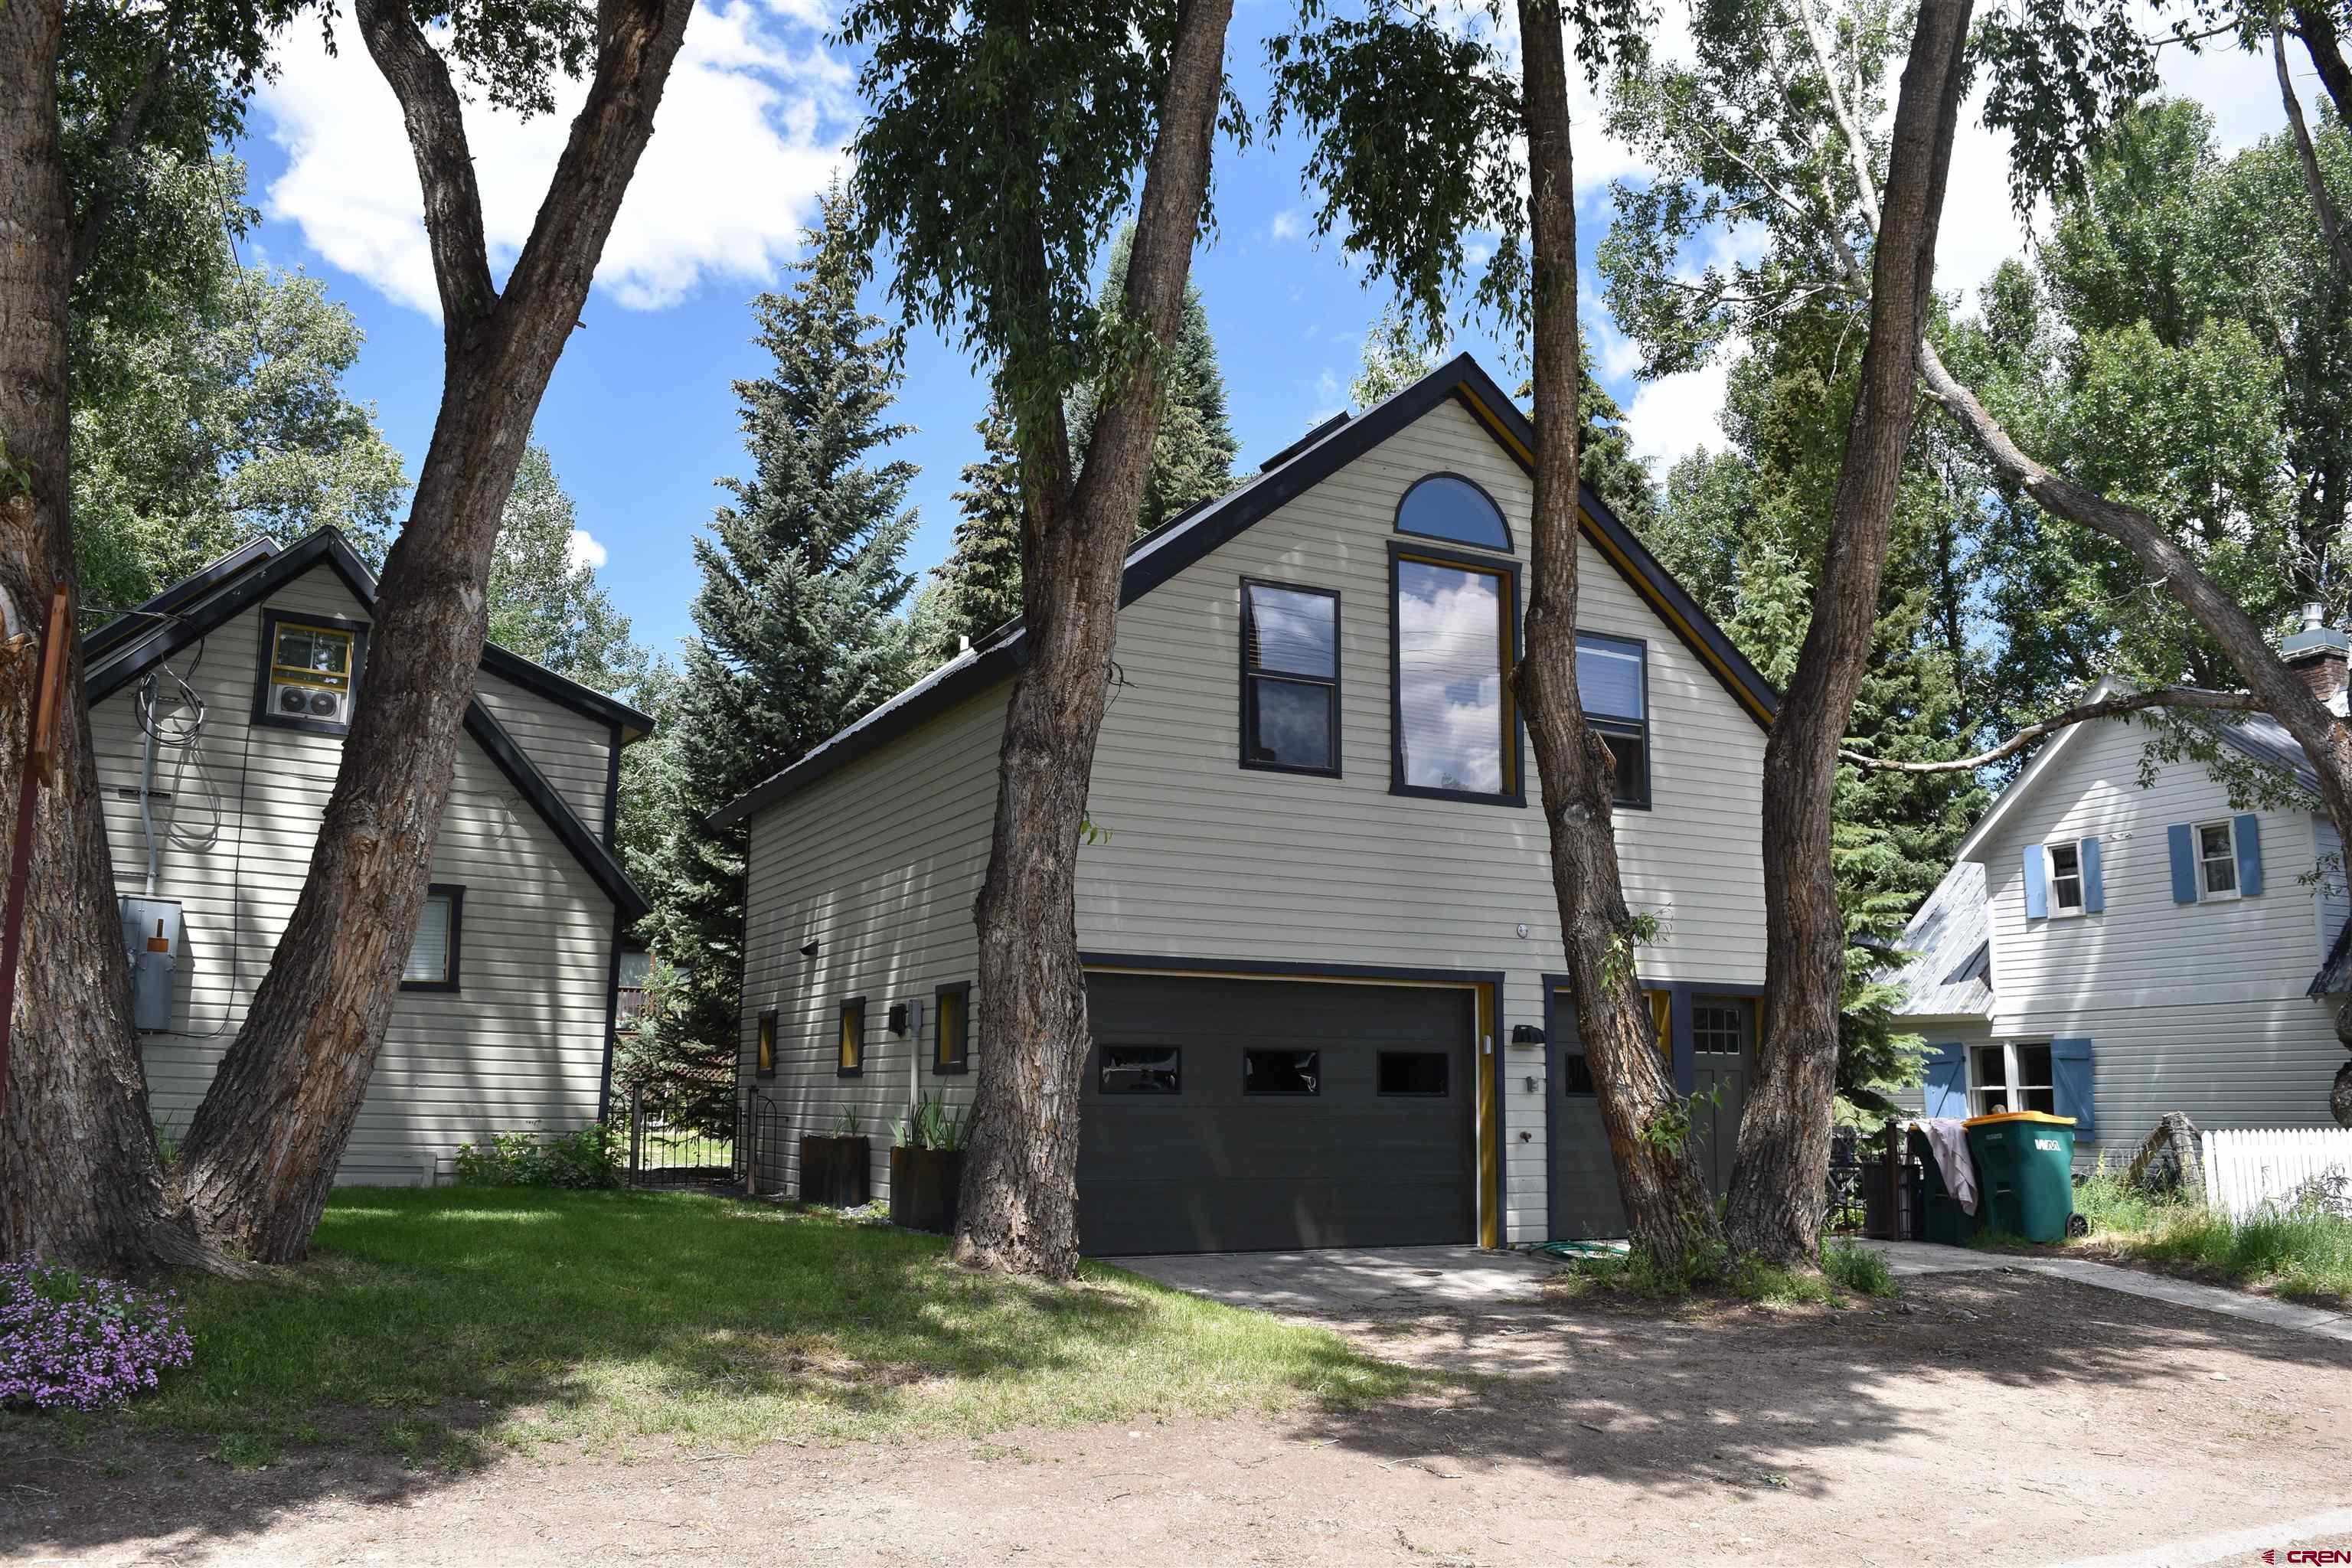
(81,1342)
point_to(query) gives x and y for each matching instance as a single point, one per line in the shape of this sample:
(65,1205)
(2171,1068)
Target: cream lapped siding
(2192,1007)
(1203,859)
(572,750)
(521,1045)
(878,864)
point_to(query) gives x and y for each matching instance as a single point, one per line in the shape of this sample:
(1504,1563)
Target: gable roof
(136,641)
(1949,973)
(1160,554)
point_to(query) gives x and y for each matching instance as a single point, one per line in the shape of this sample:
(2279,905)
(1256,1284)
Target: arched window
(1449,507)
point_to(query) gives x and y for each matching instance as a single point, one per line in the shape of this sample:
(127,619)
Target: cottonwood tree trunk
(1666,1204)
(81,1178)
(1018,1209)
(1782,1170)
(262,1151)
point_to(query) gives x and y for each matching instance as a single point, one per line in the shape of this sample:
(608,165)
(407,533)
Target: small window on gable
(951,1027)
(853,1038)
(2217,860)
(2065,879)
(309,672)
(1290,679)
(432,953)
(1449,507)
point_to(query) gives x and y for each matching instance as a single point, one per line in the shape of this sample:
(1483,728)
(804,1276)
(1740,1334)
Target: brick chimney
(2316,653)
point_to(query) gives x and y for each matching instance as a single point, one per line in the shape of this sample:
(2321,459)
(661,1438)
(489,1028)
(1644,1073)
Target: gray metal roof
(2265,740)
(1950,973)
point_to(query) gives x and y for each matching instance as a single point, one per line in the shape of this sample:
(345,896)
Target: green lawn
(454,1322)
(2304,1255)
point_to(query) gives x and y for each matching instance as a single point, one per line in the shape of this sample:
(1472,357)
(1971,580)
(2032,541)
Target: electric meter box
(151,945)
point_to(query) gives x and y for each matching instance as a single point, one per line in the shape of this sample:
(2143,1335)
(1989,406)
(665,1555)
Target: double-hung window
(2066,875)
(2217,860)
(1613,678)
(1455,622)
(433,953)
(2012,1076)
(1290,679)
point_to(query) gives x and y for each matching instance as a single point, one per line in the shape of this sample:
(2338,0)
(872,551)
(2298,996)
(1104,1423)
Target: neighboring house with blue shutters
(2113,952)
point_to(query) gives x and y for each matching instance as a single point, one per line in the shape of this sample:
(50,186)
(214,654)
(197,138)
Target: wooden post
(44,744)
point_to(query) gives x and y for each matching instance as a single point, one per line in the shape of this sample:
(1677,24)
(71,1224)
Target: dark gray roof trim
(261,573)
(1167,551)
(96,645)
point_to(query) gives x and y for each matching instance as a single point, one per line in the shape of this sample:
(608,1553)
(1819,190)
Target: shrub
(1857,1267)
(75,1341)
(589,1158)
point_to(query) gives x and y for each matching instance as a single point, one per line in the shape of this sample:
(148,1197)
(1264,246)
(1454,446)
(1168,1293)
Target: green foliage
(1858,1268)
(797,630)
(2301,1250)
(1397,353)
(851,1125)
(1669,1131)
(979,583)
(545,605)
(932,1126)
(216,413)
(2058,72)
(1001,144)
(587,1159)
(1718,1273)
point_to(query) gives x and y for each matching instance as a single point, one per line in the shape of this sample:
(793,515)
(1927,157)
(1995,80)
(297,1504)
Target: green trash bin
(1941,1217)
(2025,1172)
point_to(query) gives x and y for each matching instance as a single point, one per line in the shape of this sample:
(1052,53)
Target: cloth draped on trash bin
(1947,1140)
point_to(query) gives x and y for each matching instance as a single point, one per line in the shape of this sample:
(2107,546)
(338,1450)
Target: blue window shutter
(2037,891)
(2095,886)
(1947,1092)
(2070,1073)
(2184,863)
(2249,854)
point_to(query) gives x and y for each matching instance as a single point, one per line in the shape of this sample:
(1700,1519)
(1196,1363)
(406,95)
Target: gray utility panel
(1269,1115)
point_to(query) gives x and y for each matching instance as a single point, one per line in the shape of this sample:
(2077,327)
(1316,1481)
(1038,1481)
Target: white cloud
(583,549)
(748,130)
(1674,415)
(1287,225)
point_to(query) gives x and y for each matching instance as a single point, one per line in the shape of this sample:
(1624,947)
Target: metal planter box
(835,1171)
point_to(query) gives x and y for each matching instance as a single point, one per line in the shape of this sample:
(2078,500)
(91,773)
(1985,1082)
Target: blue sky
(641,420)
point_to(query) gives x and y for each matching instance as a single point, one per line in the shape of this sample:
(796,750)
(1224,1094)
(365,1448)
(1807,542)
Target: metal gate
(666,1150)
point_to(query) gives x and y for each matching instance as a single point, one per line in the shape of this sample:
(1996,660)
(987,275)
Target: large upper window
(1447,506)
(1613,678)
(1290,679)
(2217,858)
(433,953)
(1455,623)
(2063,871)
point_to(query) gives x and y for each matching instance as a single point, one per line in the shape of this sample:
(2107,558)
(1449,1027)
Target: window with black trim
(1612,677)
(763,1061)
(1454,731)
(309,671)
(1290,679)
(1280,1070)
(1423,1073)
(951,1027)
(1454,508)
(433,953)
(1141,1069)
(852,1061)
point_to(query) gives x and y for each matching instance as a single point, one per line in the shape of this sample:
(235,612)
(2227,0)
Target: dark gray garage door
(1253,1114)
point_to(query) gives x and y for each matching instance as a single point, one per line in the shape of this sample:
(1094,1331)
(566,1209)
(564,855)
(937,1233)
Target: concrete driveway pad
(1341,1281)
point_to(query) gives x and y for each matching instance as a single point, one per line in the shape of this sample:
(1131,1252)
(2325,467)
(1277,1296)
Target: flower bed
(75,1341)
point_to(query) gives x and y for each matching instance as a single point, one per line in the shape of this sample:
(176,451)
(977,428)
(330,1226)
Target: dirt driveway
(1992,1417)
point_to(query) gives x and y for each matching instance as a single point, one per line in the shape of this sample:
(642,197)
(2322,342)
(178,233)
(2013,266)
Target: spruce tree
(797,628)
(978,587)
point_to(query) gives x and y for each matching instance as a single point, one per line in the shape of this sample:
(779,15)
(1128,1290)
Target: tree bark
(2315,25)
(1781,1174)
(1019,1205)
(2307,157)
(80,1176)
(1667,1206)
(262,1151)
(2081,713)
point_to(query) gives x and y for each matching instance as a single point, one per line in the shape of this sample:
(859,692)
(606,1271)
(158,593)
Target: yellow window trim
(302,675)
(1501,570)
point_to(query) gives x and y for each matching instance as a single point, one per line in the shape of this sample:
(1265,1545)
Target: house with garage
(217,714)
(1323,955)
(2113,950)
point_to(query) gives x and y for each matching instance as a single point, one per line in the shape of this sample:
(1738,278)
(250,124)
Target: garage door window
(1281,1073)
(1420,1073)
(1142,1069)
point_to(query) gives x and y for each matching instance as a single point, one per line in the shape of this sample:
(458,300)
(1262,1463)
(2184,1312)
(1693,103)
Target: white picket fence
(2245,1168)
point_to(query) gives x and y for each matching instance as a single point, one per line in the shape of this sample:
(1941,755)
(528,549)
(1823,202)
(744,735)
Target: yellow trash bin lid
(2000,1116)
